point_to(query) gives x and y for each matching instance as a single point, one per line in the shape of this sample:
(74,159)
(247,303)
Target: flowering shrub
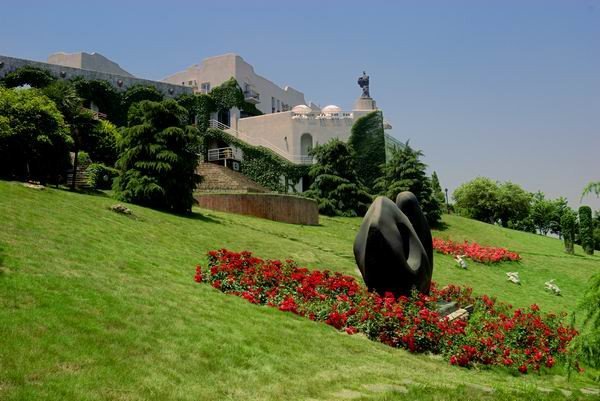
(474,251)
(495,334)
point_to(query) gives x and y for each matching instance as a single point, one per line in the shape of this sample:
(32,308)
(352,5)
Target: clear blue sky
(504,89)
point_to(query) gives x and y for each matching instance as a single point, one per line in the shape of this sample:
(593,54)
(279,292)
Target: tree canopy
(406,172)
(158,157)
(368,142)
(336,186)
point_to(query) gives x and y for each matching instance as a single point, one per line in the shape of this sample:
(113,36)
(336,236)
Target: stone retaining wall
(284,208)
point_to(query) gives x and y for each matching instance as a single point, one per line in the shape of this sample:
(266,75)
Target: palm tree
(592,187)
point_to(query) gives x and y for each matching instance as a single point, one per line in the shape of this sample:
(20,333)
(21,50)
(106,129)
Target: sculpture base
(365,103)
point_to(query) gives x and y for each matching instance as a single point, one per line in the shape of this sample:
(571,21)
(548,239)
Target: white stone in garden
(513,277)
(553,288)
(460,261)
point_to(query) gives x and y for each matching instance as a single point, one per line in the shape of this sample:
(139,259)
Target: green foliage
(586,229)
(587,344)
(486,200)
(546,214)
(568,223)
(34,138)
(102,143)
(513,204)
(27,75)
(227,95)
(101,176)
(477,199)
(198,109)
(336,185)
(260,164)
(591,188)
(136,94)
(438,194)
(368,141)
(158,158)
(104,96)
(406,172)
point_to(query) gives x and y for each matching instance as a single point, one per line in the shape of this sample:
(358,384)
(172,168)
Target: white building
(288,126)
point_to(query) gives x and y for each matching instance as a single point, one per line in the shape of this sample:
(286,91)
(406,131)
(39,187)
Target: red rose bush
(474,251)
(495,334)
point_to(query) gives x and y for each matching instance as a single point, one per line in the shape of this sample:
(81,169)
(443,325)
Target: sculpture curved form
(393,247)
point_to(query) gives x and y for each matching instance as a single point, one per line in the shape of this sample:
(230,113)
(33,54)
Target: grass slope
(99,306)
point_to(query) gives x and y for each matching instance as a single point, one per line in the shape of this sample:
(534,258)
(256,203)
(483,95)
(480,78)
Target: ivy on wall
(260,164)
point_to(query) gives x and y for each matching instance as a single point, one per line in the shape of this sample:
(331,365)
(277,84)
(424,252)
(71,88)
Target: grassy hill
(100,306)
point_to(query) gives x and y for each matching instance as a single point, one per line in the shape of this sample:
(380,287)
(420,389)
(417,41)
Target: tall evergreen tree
(586,229)
(437,190)
(568,223)
(335,184)
(406,172)
(367,139)
(159,156)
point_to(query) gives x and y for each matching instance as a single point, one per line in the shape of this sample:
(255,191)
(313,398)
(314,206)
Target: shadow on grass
(441,226)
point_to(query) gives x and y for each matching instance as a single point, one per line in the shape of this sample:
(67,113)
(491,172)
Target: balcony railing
(298,159)
(251,96)
(229,153)
(317,115)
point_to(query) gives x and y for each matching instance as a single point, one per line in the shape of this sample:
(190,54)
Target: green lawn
(100,306)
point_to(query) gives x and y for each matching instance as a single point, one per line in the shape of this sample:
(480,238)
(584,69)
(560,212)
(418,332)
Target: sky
(504,89)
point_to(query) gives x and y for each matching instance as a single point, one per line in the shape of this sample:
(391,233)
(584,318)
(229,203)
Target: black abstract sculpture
(393,247)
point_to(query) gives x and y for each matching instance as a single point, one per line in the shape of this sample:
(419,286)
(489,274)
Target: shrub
(586,229)
(34,138)
(336,186)
(588,344)
(496,334)
(159,157)
(406,172)
(27,75)
(568,223)
(101,176)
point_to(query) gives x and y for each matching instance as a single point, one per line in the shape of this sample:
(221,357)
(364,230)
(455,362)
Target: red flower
(523,368)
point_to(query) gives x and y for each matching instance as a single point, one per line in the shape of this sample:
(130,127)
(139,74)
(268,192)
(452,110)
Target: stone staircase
(217,178)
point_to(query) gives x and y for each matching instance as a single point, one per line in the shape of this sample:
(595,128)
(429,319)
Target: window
(278,106)
(272,105)
(205,87)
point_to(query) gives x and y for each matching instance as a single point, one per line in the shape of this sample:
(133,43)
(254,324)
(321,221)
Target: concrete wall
(87,61)
(218,69)
(283,208)
(285,132)
(120,82)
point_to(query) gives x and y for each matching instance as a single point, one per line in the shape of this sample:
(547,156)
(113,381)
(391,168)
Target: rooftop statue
(363,82)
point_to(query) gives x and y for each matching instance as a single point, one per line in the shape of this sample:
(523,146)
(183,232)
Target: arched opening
(306,144)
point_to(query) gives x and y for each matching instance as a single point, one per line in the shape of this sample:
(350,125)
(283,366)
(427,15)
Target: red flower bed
(474,251)
(495,334)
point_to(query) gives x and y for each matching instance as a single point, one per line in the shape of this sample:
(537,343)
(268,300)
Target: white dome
(331,109)
(301,109)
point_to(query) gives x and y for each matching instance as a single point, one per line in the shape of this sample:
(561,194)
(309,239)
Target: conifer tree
(158,157)
(406,172)
(335,184)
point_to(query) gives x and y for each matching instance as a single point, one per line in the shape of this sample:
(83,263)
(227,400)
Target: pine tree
(406,172)
(568,224)
(437,190)
(159,156)
(335,184)
(586,229)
